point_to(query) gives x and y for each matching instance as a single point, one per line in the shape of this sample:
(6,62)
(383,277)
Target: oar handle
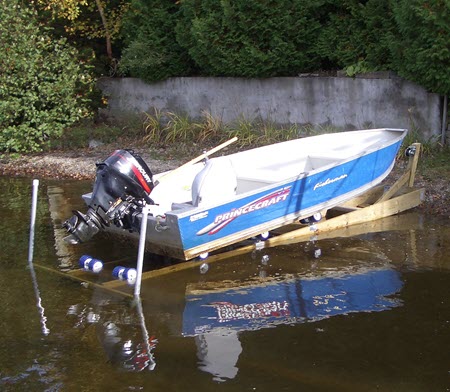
(198,159)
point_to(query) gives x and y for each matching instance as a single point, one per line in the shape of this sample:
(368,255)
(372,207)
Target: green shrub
(43,87)
(250,38)
(420,44)
(151,51)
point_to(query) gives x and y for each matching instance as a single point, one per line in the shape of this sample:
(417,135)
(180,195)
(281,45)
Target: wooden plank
(81,280)
(376,211)
(414,163)
(330,226)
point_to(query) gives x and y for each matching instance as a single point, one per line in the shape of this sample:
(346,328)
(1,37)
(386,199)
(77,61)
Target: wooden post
(407,177)
(412,164)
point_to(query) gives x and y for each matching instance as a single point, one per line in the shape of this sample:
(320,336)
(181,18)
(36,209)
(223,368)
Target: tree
(90,18)
(250,38)
(43,87)
(355,35)
(420,45)
(151,48)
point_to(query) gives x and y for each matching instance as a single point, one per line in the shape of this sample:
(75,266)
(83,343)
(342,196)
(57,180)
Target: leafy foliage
(354,38)
(152,52)
(420,44)
(250,38)
(43,88)
(90,20)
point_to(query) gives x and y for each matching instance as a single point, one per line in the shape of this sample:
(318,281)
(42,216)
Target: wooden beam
(81,280)
(395,187)
(331,226)
(407,177)
(366,214)
(413,164)
(185,265)
(388,223)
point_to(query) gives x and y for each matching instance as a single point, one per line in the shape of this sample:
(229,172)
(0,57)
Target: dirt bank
(80,164)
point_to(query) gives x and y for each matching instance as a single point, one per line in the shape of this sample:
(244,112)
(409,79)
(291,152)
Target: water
(363,313)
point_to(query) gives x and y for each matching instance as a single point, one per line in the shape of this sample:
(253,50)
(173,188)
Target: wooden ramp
(361,215)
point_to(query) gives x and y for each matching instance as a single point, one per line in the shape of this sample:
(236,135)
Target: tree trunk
(105,26)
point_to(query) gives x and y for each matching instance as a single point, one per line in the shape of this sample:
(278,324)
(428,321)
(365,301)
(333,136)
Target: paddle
(197,159)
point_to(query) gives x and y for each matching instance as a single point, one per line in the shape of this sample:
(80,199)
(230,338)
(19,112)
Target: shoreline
(81,165)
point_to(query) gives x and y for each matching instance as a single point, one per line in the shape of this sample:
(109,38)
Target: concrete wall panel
(348,103)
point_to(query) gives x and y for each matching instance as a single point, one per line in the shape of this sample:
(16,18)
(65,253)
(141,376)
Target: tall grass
(428,146)
(168,128)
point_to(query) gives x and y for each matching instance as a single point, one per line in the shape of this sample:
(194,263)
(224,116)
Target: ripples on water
(370,313)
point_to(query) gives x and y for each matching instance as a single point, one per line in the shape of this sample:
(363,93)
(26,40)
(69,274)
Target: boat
(208,205)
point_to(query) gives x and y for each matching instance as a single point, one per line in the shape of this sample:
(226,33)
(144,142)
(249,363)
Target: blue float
(88,263)
(123,273)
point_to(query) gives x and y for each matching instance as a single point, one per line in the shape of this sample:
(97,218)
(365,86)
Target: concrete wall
(349,103)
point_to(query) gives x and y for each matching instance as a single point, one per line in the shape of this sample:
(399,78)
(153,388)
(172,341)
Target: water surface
(370,314)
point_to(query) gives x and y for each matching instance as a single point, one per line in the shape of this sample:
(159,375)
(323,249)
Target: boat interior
(221,179)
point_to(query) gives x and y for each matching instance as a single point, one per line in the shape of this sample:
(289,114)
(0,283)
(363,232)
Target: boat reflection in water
(216,311)
(216,316)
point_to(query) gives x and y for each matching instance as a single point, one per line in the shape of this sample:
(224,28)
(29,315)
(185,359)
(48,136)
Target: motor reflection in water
(122,332)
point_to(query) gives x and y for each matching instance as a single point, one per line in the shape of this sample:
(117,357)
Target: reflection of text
(227,311)
(324,300)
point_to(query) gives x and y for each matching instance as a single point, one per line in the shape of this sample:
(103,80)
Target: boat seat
(215,183)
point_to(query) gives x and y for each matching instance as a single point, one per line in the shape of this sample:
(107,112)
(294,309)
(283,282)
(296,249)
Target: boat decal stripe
(265,201)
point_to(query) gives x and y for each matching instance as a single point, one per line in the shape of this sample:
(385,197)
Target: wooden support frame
(323,229)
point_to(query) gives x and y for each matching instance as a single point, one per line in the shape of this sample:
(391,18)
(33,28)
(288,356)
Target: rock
(95,143)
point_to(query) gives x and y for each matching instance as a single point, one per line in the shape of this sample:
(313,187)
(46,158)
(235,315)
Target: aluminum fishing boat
(200,207)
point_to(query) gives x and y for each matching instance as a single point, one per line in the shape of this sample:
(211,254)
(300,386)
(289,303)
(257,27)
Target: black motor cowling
(122,186)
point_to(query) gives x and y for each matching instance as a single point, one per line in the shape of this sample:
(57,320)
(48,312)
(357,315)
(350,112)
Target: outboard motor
(122,187)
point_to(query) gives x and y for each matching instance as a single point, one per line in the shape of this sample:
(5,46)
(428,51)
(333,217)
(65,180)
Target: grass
(176,134)
(436,164)
(434,159)
(164,129)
